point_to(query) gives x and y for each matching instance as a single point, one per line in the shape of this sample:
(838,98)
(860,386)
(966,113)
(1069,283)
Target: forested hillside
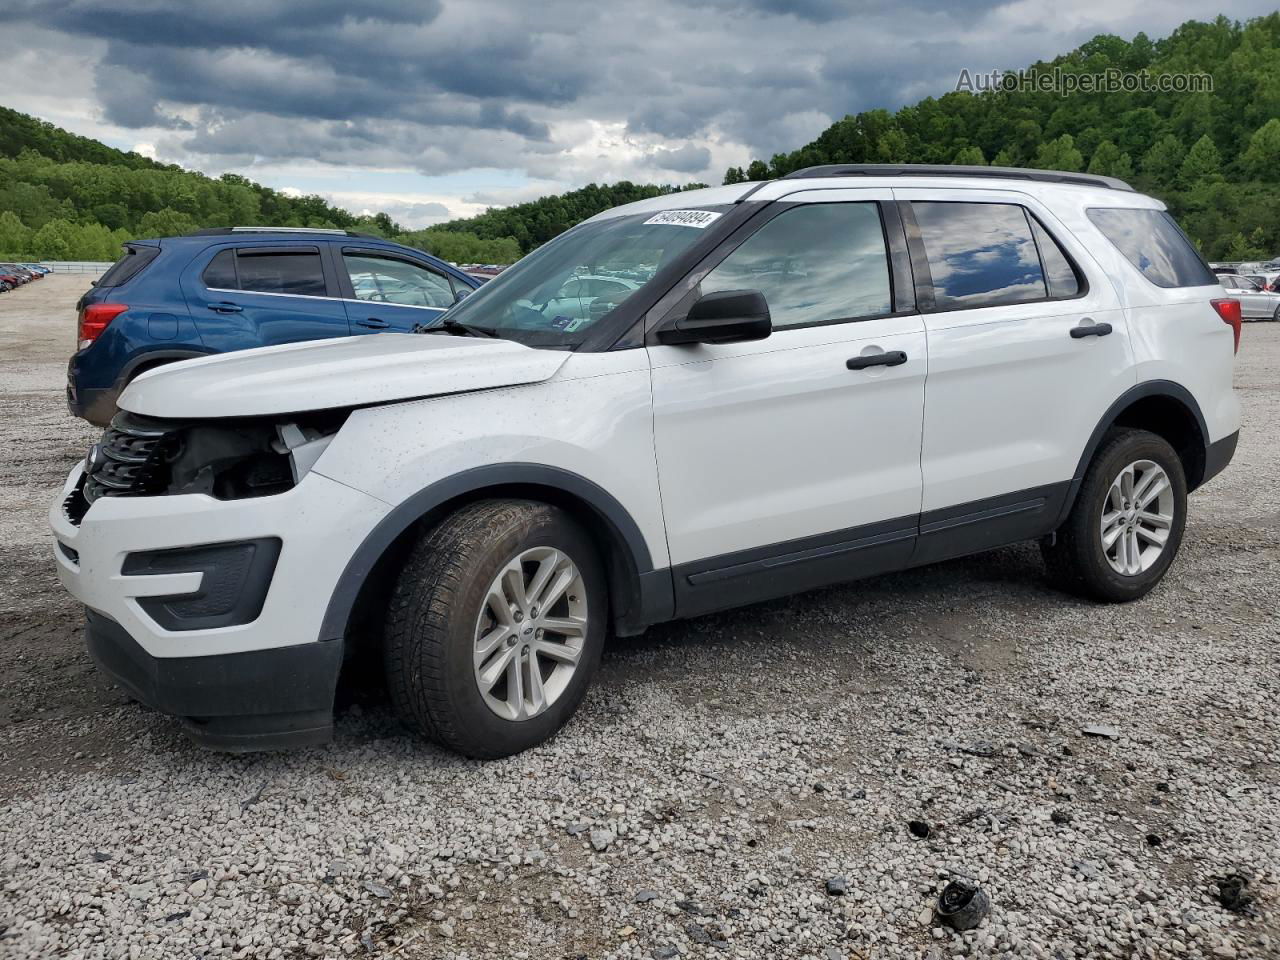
(1213,156)
(64,197)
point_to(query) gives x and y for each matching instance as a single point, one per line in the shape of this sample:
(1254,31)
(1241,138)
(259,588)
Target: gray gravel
(722,778)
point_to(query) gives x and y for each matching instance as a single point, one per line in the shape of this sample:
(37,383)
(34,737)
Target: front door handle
(891,358)
(1090,329)
(373,323)
(225,307)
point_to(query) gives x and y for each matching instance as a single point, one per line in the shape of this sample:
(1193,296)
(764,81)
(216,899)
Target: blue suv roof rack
(956,170)
(326,231)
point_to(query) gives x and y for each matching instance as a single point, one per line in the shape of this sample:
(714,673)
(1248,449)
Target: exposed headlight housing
(225,459)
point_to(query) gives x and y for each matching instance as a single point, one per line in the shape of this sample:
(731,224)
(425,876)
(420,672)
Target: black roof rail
(956,170)
(327,231)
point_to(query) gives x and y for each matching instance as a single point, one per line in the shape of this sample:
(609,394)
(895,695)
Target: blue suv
(239,287)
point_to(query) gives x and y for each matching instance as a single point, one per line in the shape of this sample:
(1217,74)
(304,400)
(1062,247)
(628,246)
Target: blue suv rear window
(294,272)
(128,266)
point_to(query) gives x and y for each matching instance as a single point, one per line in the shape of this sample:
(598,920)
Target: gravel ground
(736,786)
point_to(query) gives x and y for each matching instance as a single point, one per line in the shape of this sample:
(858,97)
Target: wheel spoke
(1161,520)
(495,668)
(1157,537)
(561,652)
(1126,483)
(537,695)
(546,569)
(515,687)
(1133,552)
(513,586)
(558,587)
(490,642)
(1111,536)
(566,626)
(1151,491)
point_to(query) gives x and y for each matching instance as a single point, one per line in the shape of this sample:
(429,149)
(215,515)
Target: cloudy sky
(432,109)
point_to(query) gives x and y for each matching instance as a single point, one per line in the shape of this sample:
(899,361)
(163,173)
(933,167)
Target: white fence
(76,266)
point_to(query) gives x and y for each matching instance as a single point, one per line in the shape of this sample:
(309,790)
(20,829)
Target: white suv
(847,371)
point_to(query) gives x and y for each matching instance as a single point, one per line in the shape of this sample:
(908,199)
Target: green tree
(1163,161)
(14,235)
(970,156)
(1202,165)
(1262,158)
(1059,154)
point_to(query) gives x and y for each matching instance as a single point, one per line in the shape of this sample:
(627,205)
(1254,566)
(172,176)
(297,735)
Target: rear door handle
(225,307)
(373,323)
(1090,330)
(891,358)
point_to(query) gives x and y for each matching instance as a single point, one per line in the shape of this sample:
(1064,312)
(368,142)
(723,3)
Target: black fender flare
(624,529)
(1149,388)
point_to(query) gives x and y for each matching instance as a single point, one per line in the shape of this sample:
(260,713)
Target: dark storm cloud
(564,90)
(687,159)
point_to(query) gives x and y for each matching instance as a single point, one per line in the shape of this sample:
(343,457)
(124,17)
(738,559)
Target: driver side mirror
(728,316)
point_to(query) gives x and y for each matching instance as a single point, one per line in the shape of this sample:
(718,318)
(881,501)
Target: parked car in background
(226,289)
(949,360)
(1255,302)
(1267,280)
(14,275)
(39,269)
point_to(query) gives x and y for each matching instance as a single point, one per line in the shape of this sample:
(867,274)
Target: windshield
(554,296)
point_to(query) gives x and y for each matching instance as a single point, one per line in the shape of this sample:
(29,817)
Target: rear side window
(297,273)
(980,254)
(135,258)
(816,263)
(1154,243)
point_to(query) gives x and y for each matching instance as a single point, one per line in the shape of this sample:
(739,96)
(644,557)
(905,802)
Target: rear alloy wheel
(1137,517)
(496,627)
(1126,524)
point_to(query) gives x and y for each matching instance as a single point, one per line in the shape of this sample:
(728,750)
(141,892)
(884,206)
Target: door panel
(230,317)
(1012,396)
(769,442)
(790,461)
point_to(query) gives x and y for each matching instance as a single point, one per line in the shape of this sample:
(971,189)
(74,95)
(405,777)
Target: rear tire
(1126,525)
(465,632)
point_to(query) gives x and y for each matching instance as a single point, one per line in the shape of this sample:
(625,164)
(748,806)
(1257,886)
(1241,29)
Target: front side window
(388,280)
(558,293)
(1154,243)
(980,254)
(815,263)
(297,273)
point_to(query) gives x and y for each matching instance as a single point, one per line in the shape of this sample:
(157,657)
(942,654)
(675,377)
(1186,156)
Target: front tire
(1126,525)
(496,627)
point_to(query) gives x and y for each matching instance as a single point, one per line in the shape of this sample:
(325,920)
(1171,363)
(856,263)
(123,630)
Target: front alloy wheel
(530,633)
(496,627)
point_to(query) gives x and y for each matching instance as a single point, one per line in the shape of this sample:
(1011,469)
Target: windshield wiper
(456,328)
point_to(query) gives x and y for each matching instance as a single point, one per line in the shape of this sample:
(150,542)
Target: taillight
(1229,311)
(94,319)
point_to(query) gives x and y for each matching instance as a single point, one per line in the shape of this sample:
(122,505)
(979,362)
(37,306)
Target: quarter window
(1058,271)
(297,273)
(1154,243)
(220,274)
(816,263)
(387,280)
(980,254)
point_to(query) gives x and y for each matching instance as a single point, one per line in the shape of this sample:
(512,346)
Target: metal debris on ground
(962,905)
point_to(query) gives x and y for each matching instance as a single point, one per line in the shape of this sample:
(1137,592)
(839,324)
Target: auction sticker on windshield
(685,218)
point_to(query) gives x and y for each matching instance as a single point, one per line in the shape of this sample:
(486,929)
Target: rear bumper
(256,700)
(1218,454)
(95,404)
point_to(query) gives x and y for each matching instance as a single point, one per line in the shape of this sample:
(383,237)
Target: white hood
(327,374)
